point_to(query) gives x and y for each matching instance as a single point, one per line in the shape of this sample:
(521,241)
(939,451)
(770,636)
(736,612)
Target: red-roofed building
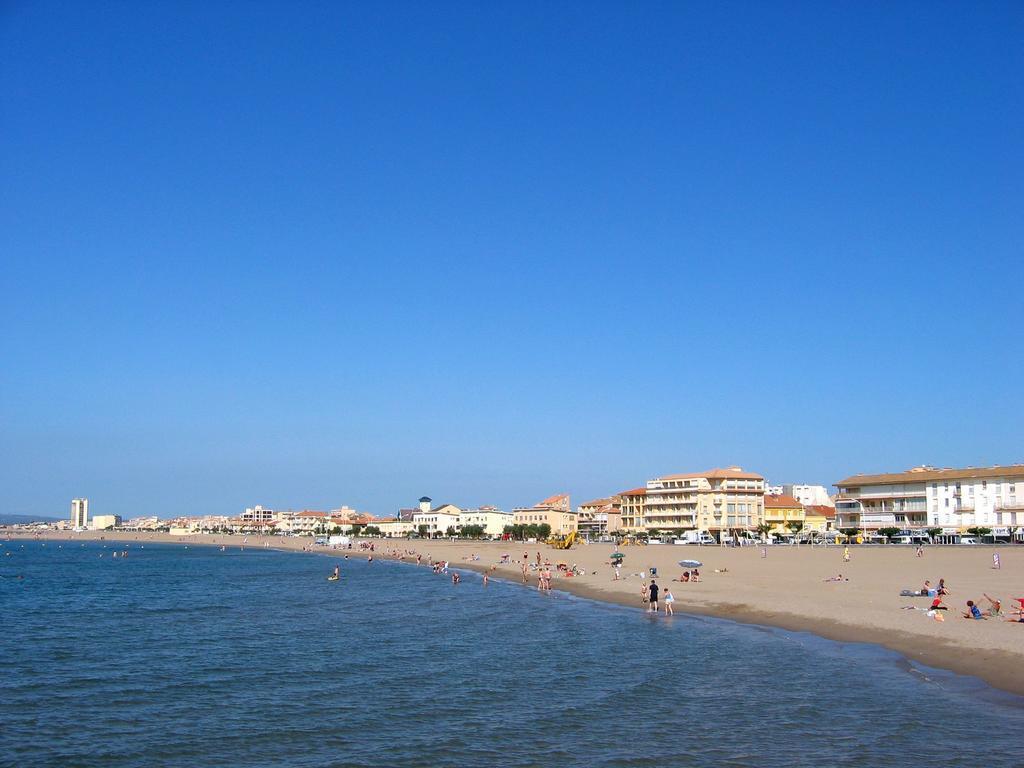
(819,517)
(600,516)
(783,513)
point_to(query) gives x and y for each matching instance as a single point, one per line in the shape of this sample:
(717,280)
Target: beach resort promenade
(787,588)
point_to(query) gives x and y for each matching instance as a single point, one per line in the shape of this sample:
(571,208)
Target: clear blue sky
(307,254)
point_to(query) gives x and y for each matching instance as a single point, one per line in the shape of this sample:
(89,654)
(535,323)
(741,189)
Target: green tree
(889,533)
(451,531)
(372,530)
(795,526)
(422,529)
(543,530)
(849,532)
(933,532)
(980,532)
(764,529)
(356,529)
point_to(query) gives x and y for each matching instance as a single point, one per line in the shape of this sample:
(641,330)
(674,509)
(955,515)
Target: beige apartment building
(554,510)
(491,519)
(393,527)
(718,501)
(632,507)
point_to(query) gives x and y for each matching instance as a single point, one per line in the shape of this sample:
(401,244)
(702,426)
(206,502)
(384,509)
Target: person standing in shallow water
(654,596)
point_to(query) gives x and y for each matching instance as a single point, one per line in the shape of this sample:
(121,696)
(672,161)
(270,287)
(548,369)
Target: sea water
(197,657)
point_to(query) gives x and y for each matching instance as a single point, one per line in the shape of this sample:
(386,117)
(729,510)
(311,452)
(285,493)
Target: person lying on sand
(995,608)
(938,605)
(973,611)
(837,577)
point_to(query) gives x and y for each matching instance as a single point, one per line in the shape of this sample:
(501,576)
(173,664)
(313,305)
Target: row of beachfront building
(725,502)
(716,503)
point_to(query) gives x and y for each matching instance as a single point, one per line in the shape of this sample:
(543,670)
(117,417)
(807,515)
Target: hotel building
(716,501)
(79,513)
(437,520)
(633,506)
(926,497)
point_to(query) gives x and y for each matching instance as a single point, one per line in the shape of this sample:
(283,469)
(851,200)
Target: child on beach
(669,599)
(643,593)
(973,612)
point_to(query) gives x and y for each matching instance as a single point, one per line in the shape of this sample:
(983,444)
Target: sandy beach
(786,589)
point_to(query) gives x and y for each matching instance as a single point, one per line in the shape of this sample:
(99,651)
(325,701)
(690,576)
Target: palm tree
(764,529)
(796,526)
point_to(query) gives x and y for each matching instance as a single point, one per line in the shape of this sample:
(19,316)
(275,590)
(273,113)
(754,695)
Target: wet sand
(786,589)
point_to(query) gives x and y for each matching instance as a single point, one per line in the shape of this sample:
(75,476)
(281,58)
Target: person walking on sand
(654,596)
(846,554)
(669,599)
(643,593)
(920,550)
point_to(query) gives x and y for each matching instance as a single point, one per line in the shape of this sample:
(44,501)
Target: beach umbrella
(691,563)
(617,556)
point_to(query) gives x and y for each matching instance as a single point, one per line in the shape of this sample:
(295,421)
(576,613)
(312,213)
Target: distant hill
(22,519)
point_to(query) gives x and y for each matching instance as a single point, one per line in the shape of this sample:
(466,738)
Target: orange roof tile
(781,501)
(635,492)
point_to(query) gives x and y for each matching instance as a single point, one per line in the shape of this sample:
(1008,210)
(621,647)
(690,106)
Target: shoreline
(991,651)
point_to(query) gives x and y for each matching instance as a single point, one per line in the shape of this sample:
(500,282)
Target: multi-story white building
(437,520)
(80,513)
(951,499)
(393,527)
(492,519)
(808,495)
(258,514)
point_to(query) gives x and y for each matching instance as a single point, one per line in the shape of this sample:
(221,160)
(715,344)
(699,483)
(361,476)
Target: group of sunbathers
(995,610)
